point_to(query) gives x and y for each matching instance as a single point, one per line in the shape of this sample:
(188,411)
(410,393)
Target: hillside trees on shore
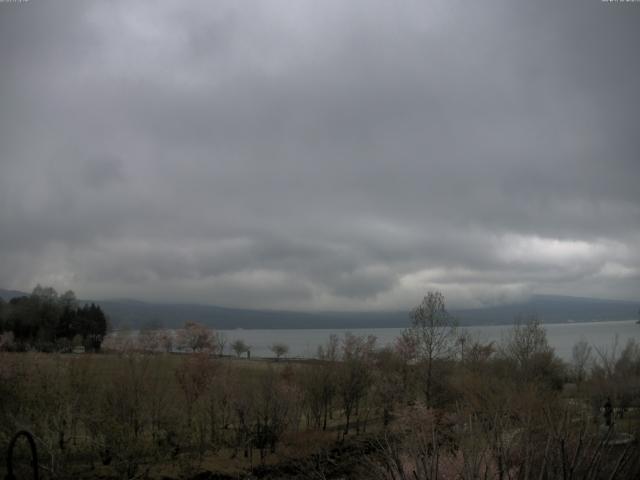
(46,321)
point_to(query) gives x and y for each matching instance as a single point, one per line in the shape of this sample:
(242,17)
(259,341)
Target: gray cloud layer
(320,155)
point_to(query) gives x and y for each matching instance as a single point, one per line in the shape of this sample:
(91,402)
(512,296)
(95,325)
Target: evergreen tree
(44,319)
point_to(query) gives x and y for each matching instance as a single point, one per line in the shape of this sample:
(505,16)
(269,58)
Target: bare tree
(193,376)
(196,337)
(434,333)
(319,383)
(239,347)
(220,342)
(417,448)
(388,382)
(463,341)
(581,356)
(329,352)
(526,345)
(406,350)
(165,339)
(271,416)
(354,374)
(120,427)
(279,349)
(607,358)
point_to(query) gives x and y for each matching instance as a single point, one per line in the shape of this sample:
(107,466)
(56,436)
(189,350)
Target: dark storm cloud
(320,154)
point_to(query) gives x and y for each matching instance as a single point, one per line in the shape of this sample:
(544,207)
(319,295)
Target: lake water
(561,336)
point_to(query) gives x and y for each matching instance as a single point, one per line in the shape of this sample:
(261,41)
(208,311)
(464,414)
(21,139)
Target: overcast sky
(320,154)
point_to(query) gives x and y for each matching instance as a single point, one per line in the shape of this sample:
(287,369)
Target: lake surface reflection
(561,336)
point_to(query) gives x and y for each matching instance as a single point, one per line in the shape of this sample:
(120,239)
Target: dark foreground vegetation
(436,405)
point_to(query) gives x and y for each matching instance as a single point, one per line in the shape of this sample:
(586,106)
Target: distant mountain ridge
(548,308)
(554,309)
(7,295)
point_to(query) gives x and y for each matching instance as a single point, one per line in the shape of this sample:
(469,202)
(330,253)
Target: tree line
(48,322)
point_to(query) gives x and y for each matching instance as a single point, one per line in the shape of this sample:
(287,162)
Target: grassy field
(362,415)
(158,415)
